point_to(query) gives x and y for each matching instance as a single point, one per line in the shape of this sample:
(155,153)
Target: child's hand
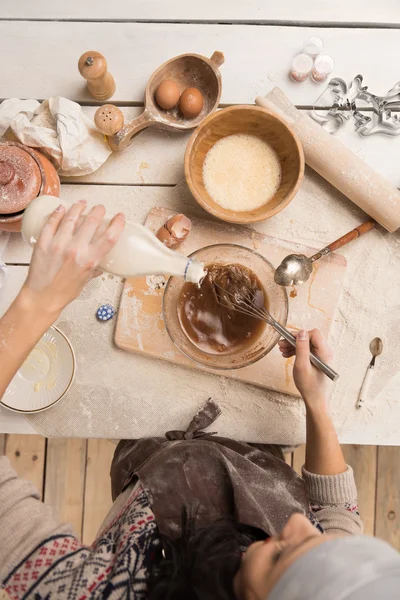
(312,384)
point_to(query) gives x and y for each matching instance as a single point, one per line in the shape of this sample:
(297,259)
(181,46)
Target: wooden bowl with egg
(184,73)
(243,164)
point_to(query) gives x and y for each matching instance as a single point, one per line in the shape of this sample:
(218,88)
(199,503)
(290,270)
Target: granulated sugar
(241,172)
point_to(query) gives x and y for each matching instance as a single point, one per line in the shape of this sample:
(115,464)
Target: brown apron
(212,477)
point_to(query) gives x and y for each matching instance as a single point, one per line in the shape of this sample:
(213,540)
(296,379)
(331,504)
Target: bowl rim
(199,362)
(233,218)
(37,410)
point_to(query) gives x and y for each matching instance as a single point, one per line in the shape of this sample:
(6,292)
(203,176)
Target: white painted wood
(156,157)
(153,157)
(14,423)
(332,11)
(42,57)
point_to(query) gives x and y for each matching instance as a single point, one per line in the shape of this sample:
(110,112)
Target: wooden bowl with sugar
(235,191)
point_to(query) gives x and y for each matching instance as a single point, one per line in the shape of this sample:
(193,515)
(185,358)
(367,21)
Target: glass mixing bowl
(227,254)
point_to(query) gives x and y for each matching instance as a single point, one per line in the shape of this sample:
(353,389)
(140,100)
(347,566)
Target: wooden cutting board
(140,325)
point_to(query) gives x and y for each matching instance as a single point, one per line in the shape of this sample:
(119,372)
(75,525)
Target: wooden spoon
(376,347)
(187,70)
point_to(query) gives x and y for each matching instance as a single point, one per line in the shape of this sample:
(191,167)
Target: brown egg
(191,102)
(167,94)
(174,231)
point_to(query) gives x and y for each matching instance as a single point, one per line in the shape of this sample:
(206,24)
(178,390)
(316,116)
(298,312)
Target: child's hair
(201,565)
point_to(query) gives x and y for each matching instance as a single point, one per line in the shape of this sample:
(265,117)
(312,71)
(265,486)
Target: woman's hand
(67,254)
(312,384)
(65,258)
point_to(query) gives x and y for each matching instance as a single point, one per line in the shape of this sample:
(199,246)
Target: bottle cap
(195,272)
(313,46)
(301,67)
(105,312)
(323,66)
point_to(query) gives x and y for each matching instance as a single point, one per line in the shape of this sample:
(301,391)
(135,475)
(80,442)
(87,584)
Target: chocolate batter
(206,313)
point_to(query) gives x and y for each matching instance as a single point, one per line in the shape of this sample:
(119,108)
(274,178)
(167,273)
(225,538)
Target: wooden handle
(217,59)
(351,235)
(345,239)
(365,387)
(93,67)
(120,140)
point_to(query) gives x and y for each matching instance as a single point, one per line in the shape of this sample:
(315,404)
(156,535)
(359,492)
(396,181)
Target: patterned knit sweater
(41,559)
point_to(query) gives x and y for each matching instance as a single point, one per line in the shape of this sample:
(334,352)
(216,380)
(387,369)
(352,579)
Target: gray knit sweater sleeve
(333,500)
(24,520)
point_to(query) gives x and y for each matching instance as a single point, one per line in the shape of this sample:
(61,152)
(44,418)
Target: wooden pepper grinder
(93,67)
(109,119)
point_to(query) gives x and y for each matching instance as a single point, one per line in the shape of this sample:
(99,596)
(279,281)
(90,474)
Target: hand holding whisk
(247,307)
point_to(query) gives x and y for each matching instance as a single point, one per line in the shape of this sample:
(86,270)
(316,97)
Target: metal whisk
(247,307)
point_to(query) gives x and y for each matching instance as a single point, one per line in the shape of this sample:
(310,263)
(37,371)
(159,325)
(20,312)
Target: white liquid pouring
(137,253)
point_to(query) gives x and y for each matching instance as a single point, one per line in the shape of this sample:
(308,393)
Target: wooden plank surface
(135,50)
(363,460)
(156,157)
(27,457)
(387,525)
(331,11)
(299,458)
(97,487)
(288,456)
(153,157)
(2,443)
(65,479)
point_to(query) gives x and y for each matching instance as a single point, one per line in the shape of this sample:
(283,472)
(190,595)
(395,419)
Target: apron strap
(202,419)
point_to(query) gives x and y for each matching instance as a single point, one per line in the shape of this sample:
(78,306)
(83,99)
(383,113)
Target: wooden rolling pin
(337,164)
(93,67)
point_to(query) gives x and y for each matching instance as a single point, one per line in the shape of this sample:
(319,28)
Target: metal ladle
(297,268)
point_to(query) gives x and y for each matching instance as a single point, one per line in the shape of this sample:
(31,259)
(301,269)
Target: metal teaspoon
(376,347)
(297,268)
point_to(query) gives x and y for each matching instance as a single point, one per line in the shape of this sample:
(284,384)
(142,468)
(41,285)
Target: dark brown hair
(201,564)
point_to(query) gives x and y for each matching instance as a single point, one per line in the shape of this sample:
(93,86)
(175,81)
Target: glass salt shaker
(323,66)
(301,67)
(313,46)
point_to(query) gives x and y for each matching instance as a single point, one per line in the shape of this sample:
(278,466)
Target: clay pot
(25,173)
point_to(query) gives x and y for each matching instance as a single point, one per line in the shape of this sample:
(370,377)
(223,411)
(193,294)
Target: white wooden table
(40,43)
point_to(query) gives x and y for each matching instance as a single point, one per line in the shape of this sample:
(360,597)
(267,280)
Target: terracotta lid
(20,178)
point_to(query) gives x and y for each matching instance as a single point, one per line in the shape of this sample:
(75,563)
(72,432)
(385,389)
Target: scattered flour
(154,284)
